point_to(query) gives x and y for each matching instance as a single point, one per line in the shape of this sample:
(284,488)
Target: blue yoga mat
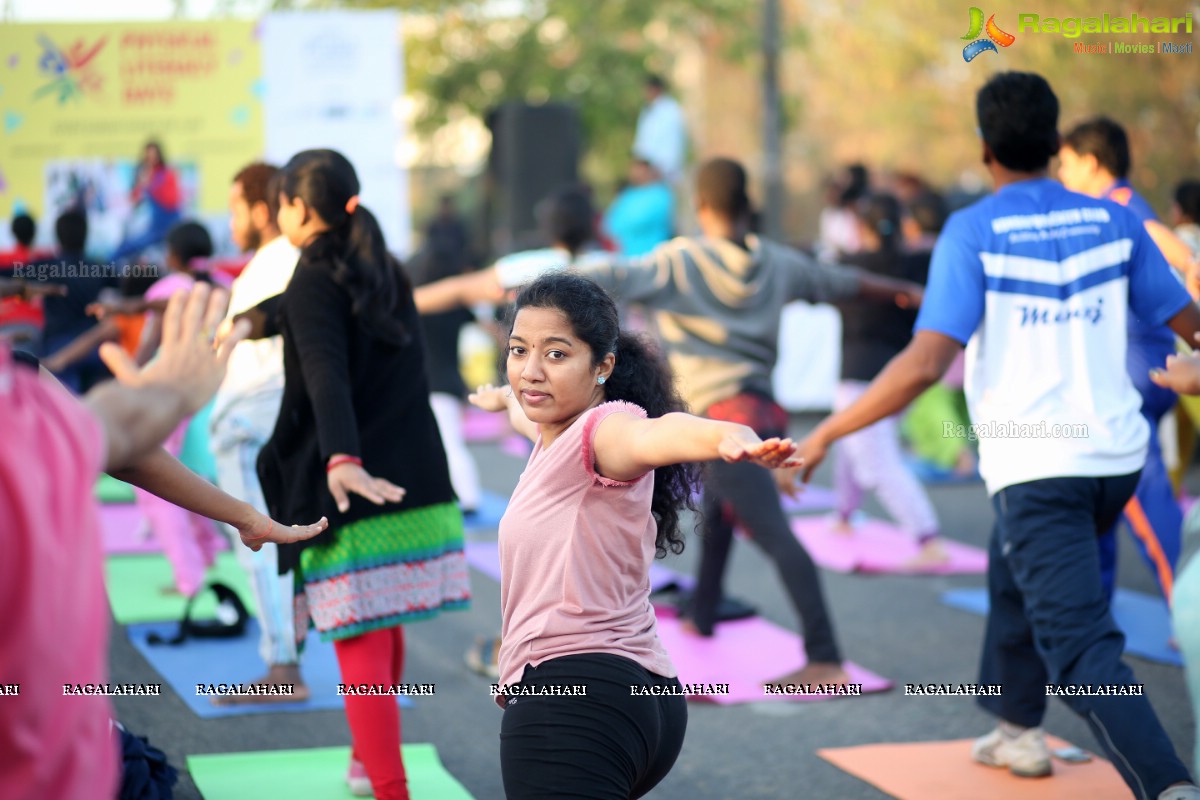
(208,661)
(928,472)
(1143,619)
(487,516)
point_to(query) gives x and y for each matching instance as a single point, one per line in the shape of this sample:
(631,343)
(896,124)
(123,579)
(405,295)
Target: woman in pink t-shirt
(592,707)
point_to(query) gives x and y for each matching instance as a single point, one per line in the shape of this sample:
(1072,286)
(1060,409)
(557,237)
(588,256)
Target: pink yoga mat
(744,654)
(878,547)
(1185,503)
(122,528)
(485,557)
(123,531)
(483,426)
(516,446)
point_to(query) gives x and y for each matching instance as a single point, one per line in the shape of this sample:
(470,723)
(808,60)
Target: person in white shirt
(661,136)
(245,409)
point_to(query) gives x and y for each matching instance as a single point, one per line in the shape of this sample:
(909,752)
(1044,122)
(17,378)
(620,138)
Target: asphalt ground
(890,624)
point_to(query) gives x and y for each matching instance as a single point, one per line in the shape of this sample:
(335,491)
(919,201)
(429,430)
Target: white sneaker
(1026,755)
(357,780)
(1186,792)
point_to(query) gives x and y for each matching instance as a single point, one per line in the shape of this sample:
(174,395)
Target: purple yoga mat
(877,547)
(483,426)
(485,557)
(744,654)
(810,498)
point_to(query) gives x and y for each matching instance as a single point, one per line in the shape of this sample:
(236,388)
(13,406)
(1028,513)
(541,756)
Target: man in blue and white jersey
(1038,282)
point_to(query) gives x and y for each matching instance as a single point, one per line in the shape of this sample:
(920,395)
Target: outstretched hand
(812,452)
(490,398)
(1181,374)
(744,445)
(188,360)
(350,477)
(262,530)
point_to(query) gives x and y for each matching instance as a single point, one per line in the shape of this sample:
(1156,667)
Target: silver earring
(601,380)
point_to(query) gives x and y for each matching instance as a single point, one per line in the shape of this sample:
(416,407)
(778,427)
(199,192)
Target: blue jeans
(1153,514)
(1050,623)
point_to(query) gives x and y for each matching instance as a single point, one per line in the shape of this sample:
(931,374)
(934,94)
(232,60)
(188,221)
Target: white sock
(1010,730)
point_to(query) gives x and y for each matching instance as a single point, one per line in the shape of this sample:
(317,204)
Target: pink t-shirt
(169,284)
(575,556)
(52,592)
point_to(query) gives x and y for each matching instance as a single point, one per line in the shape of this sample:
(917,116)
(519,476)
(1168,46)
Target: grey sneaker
(1025,755)
(1188,791)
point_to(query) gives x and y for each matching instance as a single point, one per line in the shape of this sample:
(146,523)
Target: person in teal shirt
(643,214)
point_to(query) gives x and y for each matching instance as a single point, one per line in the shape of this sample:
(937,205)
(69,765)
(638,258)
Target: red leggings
(375,658)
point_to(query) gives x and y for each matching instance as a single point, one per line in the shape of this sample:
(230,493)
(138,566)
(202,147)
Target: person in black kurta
(356,440)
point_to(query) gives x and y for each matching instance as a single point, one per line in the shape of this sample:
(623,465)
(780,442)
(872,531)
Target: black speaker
(535,152)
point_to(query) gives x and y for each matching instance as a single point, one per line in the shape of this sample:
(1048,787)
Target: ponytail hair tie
(352,204)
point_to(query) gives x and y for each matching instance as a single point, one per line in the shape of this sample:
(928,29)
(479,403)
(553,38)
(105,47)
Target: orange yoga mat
(945,771)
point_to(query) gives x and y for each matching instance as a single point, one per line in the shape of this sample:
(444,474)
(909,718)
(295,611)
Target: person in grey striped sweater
(716,301)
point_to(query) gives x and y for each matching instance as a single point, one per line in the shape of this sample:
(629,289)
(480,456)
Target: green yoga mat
(135,584)
(317,774)
(111,491)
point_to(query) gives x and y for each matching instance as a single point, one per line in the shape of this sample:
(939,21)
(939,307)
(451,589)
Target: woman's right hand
(743,444)
(350,477)
(259,529)
(490,398)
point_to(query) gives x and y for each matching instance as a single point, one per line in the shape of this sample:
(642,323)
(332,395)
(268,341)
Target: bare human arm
(143,406)
(915,369)
(627,446)
(1177,254)
(126,305)
(140,408)
(161,474)
(1182,373)
(19,287)
(459,291)
(81,346)
(502,398)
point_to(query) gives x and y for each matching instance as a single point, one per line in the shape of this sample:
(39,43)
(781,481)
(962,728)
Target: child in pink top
(189,541)
(598,500)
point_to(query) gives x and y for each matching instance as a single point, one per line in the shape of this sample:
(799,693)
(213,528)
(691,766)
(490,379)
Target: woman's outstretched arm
(627,446)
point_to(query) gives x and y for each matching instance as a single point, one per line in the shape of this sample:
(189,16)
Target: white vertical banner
(334,79)
(810,357)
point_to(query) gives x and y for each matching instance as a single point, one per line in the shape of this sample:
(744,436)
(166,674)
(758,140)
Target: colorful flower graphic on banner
(995,35)
(68,71)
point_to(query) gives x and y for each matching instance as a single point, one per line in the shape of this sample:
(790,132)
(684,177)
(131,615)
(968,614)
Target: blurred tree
(465,56)
(885,82)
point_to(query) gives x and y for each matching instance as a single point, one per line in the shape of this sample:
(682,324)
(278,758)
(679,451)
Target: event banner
(79,101)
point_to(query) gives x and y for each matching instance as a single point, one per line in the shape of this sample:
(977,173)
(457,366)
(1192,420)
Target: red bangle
(337,461)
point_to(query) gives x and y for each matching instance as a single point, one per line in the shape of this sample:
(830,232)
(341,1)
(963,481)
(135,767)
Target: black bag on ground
(229,606)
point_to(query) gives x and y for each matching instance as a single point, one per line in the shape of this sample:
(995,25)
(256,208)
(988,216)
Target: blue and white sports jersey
(1039,283)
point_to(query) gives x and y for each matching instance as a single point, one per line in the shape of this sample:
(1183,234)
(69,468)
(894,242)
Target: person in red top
(21,318)
(157,186)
